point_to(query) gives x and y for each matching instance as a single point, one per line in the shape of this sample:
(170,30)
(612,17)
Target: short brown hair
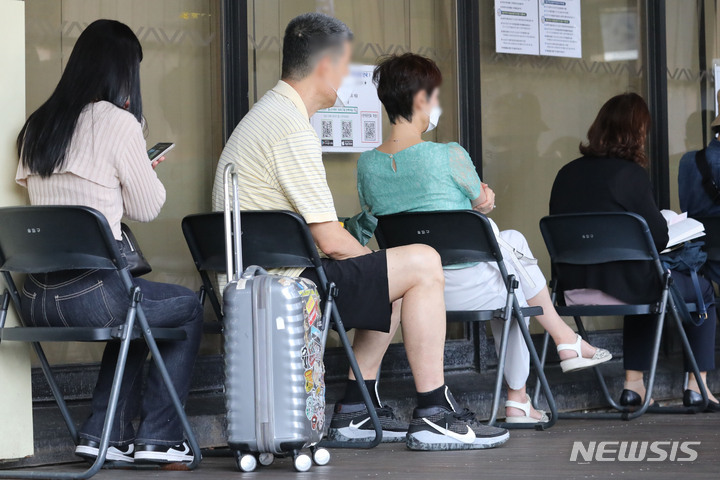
(400,77)
(620,129)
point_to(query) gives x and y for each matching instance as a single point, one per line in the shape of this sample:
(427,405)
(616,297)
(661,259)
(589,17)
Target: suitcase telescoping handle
(233,243)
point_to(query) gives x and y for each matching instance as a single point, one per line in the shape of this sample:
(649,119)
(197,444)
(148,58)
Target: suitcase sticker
(311,355)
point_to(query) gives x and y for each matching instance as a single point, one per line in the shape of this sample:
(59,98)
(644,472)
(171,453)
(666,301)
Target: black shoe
(88,449)
(163,453)
(692,398)
(445,427)
(629,398)
(351,423)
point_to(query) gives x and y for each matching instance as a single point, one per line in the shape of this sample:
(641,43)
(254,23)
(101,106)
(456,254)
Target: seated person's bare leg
(415,275)
(634,381)
(693,385)
(370,346)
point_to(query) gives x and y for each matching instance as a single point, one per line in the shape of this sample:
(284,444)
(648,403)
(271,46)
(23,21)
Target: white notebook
(681,229)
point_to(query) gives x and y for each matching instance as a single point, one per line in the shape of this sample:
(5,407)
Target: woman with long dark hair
(612,177)
(85,146)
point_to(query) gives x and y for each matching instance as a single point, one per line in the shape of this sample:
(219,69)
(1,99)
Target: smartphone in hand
(159,149)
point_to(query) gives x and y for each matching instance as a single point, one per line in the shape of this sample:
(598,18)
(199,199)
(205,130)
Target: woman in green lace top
(407,174)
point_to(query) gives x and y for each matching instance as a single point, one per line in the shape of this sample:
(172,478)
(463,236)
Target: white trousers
(481,287)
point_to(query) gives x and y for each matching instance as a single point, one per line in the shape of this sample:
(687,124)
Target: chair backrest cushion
(270,239)
(597,238)
(39,239)
(459,236)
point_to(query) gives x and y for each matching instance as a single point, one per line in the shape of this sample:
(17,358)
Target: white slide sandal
(578,363)
(525,407)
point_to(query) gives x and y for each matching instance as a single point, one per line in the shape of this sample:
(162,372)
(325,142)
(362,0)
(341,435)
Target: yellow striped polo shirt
(278,159)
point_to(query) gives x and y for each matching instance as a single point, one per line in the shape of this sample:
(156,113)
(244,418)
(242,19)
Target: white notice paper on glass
(538,27)
(357,126)
(516,27)
(560,31)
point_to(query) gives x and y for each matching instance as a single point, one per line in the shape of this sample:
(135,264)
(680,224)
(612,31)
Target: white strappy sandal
(578,363)
(525,407)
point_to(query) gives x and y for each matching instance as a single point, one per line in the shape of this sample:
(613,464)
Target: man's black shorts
(363,299)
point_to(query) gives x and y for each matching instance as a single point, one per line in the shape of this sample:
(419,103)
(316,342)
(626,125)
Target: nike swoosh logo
(186,450)
(468,437)
(356,426)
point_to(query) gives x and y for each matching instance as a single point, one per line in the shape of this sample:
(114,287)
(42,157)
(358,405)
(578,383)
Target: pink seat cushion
(590,296)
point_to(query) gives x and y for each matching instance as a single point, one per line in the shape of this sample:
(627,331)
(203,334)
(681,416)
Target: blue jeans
(97,298)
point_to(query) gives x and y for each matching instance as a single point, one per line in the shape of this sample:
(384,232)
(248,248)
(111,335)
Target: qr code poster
(357,125)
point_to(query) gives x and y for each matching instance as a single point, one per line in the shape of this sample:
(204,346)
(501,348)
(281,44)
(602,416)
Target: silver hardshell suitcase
(274,372)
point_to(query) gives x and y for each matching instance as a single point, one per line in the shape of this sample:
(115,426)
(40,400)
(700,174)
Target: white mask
(338,100)
(434,117)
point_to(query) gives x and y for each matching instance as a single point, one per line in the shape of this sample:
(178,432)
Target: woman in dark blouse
(611,177)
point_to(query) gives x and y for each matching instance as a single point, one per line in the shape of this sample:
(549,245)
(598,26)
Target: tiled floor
(528,454)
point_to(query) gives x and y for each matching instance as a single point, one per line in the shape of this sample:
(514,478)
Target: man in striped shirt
(278,158)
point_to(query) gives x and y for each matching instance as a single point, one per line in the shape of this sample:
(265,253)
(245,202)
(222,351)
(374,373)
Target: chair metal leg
(44,364)
(625,413)
(363,390)
(502,356)
(109,416)
(545,343)
(179,408)
(209,292)
(4,309)
(543,359)
(653,367)
(598,373)
(687,351)
(57,394)
(535,361)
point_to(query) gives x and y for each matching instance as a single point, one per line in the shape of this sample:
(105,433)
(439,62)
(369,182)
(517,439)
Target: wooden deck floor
(528,454)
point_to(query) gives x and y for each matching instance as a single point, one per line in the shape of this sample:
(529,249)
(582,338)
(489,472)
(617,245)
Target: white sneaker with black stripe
(89,449)
(163,453)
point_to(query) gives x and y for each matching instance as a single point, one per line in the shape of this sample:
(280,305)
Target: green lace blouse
(427,176)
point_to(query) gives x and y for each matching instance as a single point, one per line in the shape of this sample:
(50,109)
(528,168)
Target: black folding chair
(466,236)
(270,239)
(52,238)
(596,239)
(207,249)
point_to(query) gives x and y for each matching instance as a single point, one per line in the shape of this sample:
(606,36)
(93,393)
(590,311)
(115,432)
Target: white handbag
(517,258)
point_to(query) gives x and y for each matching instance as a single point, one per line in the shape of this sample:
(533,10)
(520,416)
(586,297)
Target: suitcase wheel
(245,462)
(321,456)
(302,462)
(266,459)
